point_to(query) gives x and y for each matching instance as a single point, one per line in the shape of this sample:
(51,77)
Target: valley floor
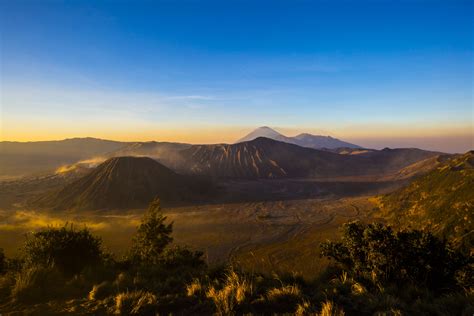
(279,236)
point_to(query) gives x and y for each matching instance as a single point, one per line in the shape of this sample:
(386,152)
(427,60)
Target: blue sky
(193,69)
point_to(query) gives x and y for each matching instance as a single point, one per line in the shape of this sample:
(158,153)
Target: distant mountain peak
(303,139)
(266,129)
(263,131)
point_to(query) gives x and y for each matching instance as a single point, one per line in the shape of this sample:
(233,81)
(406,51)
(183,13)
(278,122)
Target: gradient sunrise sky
(377,73)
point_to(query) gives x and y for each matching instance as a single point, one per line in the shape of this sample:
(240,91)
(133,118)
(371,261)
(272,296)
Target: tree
(153,235)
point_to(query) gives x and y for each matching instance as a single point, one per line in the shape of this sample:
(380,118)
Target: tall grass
(135,303)
(234,292)
(331,309)
(37,283)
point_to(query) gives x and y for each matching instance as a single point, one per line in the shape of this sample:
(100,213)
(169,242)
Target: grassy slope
(442,200)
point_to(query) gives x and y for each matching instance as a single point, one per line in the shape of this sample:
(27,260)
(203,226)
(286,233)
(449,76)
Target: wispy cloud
(191,97)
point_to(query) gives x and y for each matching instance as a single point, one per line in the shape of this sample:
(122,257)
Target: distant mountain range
(125,182)
(303,140)
(132,182)
(272,156)
(266,158)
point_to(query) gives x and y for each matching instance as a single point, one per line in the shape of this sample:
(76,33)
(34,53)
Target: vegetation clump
(376,252)
(65,248)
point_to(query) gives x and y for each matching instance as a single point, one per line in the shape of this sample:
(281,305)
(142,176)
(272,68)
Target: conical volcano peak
(303,139)
(263,131)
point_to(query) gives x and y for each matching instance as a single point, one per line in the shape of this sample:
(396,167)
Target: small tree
(65,248)
(153,235)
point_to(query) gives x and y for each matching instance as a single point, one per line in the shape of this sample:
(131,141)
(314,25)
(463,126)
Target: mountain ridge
(265,158)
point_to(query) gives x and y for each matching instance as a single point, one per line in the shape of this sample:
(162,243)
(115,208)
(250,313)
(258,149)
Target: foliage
(158,266)
(376,252)
(152,236)
(379,271)
(65,248)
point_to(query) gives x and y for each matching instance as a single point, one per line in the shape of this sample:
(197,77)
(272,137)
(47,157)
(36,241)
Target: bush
(375,252)
(65,248)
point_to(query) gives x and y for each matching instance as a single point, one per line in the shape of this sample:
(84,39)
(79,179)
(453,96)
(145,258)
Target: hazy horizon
(444,143)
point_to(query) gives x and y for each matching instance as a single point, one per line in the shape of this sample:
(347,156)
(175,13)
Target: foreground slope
(441,200)
(123,182)
(264,158)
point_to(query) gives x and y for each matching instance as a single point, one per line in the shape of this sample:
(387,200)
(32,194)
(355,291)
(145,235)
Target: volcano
(124,182)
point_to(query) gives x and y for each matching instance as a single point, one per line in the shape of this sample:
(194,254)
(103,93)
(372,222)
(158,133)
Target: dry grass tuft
(236,289)
(331,309)
(195,288)
(288,290)
(135,303)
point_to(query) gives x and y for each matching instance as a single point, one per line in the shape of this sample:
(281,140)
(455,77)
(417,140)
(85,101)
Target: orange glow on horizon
(369,135)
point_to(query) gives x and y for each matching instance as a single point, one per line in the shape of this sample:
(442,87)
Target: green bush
(65,248)
(377,253)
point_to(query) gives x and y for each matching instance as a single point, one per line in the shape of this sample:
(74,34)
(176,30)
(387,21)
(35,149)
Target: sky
(378,73)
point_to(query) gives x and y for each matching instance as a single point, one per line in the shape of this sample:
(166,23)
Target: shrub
(378,253)
(135,303)
(65,248)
